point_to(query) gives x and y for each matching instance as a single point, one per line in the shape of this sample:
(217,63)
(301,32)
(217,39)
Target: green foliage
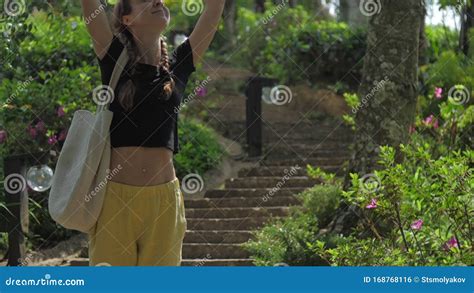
(440,39)
(322,202)
(448,101)
(328,49)
(200,150)
(449,70)
(27,102)
(437,191)
(351,251)
(320,174)
(290,240)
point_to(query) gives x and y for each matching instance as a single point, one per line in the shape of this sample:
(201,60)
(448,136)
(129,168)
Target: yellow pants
(139,226)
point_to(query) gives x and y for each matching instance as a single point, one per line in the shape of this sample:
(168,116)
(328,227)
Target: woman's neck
(149,48)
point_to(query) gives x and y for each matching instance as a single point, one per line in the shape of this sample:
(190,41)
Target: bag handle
(116,73)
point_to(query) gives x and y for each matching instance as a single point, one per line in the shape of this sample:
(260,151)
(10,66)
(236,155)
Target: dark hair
(127,91)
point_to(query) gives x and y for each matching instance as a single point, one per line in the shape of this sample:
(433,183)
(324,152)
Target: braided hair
(127,92)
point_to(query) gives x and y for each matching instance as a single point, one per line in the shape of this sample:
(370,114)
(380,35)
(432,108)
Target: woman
(142,221)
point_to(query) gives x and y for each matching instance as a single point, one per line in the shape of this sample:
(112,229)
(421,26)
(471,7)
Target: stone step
(226,223)
(253,192)
(317,134)
(270,182)
(328,160)
(265,200)
(297,136)
(237,212)
(231,262)
(221,251)
(283,170)
(217,236)
(310,150)
(314,162)
(84,262)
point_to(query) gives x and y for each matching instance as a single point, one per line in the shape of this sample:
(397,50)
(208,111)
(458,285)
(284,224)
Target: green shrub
(277,45)
(27,102)
(422,206)
(322,201)
(200,150)
(290,240)
(440,39)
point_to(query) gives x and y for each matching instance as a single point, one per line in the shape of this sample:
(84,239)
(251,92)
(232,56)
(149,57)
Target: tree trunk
(467,22)
(389,83)
(388,92)
(230,19)
(350,12)
(423,56)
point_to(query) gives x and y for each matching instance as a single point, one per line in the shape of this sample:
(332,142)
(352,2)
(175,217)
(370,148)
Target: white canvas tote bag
(81,174)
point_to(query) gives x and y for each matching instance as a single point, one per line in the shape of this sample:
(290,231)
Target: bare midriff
(142,166)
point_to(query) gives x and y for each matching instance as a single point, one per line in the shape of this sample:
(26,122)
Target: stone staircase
(223,219)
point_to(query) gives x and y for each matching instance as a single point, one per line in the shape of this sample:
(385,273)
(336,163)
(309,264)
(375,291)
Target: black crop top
(151,122)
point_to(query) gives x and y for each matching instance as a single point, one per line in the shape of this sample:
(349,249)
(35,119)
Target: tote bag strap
(118,69)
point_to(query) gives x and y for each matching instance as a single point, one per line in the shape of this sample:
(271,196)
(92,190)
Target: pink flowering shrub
(420,211)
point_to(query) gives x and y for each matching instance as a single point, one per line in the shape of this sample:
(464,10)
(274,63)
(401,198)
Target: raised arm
(205,29)
(97,24)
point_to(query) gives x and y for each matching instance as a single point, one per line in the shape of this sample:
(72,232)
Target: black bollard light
(253,121)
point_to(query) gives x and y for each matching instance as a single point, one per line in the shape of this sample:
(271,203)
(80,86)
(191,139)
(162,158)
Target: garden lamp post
(253,121)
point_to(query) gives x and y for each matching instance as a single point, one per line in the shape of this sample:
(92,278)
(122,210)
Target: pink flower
(438,93)
(40,126)
(373,204)
(417,224)
(32,131)
(431,121)
(60,111)
(411,129)
(452,242)
(62,135)
(53,139)
(201,91)
(428,120)
(3,136)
